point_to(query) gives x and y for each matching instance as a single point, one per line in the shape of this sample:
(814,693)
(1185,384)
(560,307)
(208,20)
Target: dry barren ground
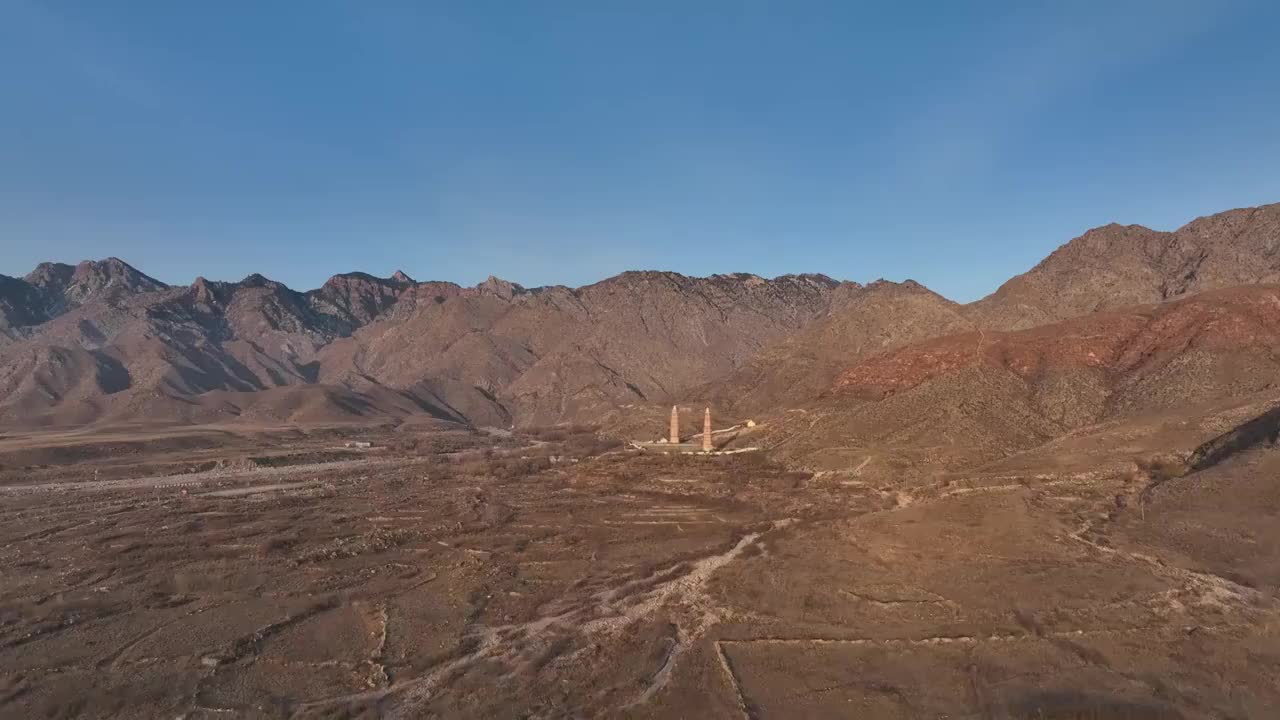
(468,575)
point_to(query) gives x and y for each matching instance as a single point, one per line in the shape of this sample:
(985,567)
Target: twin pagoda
(706,428)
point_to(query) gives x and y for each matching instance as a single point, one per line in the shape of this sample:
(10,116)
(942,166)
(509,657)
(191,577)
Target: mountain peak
(204,291)
(91,277)
(50,274)
(811,278)
(110,266)
(258,280)
(354,275)
(504,289)
(399,278)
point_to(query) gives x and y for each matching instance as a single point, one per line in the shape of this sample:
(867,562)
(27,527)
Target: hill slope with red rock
(1104,269)
(102,342)
(977,396)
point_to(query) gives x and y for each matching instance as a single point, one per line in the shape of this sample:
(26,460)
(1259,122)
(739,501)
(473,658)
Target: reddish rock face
(1119,342)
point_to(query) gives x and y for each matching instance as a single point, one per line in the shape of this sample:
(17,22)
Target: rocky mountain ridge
(131,347)
(974,397)
(1118,265)
(102,341)
(1107,268)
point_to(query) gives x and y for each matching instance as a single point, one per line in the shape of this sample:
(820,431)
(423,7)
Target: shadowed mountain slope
(860,321)
(494,354)
(504,354)
(101,341)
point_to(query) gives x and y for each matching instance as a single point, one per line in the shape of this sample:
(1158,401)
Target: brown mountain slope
(493,354)
(155,353)
(1118,265)
(1106,268)
(506,354)
(55,288)
(658,334)
(1216,510)
(460,350)
(860,321)
(102,341)
(978,396)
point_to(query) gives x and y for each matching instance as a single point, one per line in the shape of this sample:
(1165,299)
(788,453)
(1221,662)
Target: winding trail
(605,612)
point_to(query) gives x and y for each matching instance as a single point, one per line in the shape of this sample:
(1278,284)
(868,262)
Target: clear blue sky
(955,143)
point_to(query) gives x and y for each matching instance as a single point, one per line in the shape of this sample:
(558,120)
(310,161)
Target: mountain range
(1120,320)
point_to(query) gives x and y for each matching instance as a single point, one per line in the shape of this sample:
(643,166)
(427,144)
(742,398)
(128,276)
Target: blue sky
(562,142)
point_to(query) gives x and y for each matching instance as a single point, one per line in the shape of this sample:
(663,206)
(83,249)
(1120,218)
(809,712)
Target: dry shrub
(519,468)
(1028,620)
(553,650)
(758,462)
(760,468)
(1161,469)
(275,545)
(574,440)
(1080,705)
(471,468)
(559,433)
(549,434)
(12,687)
(629,475)
(504,468)
(590,445)
(409,444)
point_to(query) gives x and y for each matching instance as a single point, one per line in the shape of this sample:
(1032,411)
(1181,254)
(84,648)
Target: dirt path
(214,476)
(606,612)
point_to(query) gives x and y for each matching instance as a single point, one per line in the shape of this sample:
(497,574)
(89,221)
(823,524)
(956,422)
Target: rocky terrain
(1118,265)
(104,343)
(980,395)
(392,498)
(1123,571)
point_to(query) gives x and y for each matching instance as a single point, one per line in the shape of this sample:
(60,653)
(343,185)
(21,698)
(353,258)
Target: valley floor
(458,574)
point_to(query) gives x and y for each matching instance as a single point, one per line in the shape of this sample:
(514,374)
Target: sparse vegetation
(508,557)
(1161,469)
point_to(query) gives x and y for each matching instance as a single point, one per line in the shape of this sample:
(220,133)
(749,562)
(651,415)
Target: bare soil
(464,574)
